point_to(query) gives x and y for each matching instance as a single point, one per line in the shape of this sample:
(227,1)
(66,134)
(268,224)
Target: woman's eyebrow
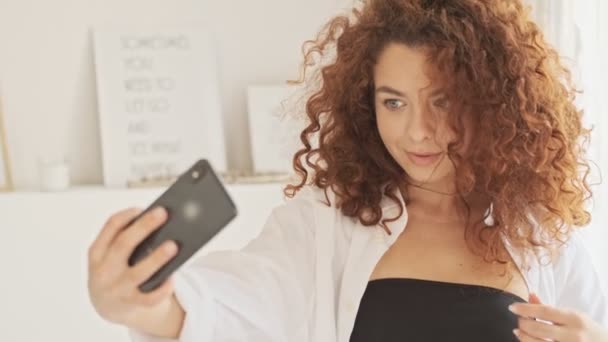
(389,90)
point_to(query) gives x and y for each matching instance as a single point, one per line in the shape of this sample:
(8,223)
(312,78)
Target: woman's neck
(442,203)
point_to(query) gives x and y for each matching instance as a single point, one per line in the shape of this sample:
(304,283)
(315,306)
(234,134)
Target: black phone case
(199,207)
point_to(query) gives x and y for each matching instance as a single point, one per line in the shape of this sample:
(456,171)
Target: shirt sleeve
(578,285)
(260,293)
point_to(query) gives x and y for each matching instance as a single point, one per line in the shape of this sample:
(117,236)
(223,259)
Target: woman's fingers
(543,312)
(156,296)
(541,330)
(538,322)
(144,269)
(534,299)
(113,285)
(113,226)
(524,337)
(130,238)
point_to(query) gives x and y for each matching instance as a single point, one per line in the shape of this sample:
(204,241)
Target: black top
(399,309)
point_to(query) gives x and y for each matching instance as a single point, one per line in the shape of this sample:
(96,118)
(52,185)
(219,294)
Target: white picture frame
(159,103)
(273,127)
(6,181)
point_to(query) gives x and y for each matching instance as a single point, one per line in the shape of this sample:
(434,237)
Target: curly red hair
(529,143)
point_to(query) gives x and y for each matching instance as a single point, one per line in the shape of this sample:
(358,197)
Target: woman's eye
(442,103)
(393,104)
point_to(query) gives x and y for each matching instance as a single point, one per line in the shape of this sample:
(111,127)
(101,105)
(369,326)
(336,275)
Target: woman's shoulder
(312,192)
(566,265)
(576,280)
(307,201)
(558,256)
(312,206)
(572,254)
(312,198)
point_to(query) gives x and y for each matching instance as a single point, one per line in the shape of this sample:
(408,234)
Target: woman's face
(411,113)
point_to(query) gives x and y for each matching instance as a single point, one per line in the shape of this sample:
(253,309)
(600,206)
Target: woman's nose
(420,126)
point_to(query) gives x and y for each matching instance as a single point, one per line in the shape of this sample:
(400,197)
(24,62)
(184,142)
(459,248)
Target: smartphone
(198,207)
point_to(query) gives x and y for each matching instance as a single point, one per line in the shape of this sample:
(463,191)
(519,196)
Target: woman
(440,202)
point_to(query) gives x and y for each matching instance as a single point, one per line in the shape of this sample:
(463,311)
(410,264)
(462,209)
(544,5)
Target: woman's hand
(113,285)
(555,325)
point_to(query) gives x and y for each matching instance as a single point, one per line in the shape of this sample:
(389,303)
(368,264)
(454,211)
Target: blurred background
(62,143)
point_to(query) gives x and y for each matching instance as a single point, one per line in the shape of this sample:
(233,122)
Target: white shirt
(303,277)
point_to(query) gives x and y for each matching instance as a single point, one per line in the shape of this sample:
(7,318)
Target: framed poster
(6,181)
(273,128)
(159,103)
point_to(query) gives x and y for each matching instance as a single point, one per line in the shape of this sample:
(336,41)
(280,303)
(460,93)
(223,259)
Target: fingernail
(513,308)
(170,248)
(159,212)
(516,332)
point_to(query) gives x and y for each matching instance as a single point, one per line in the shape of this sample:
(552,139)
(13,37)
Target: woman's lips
(423,159)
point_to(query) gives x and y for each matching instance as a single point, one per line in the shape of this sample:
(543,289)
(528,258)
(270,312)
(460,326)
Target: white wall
(47,76)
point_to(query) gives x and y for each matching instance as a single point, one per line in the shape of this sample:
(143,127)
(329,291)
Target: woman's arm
(260,293)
